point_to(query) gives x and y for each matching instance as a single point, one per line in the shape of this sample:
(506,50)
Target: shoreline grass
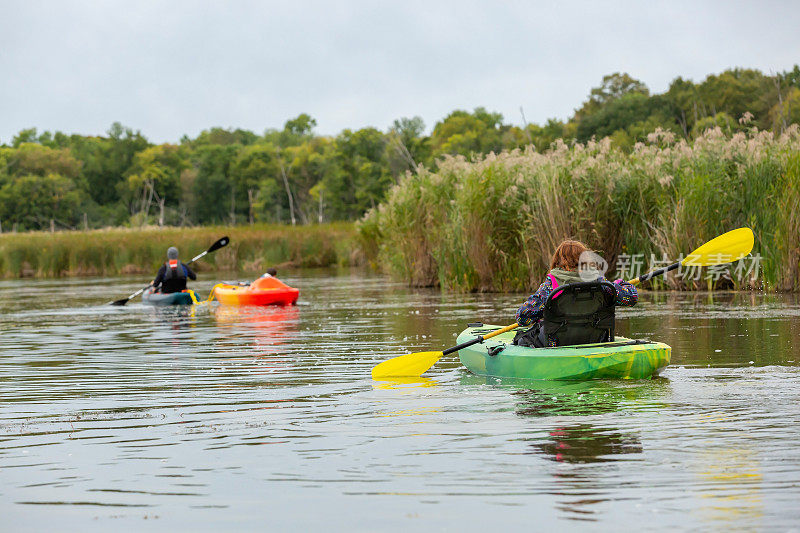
(115,251)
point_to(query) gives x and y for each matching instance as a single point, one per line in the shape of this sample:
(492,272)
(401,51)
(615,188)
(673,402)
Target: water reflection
(176,317)
(575,398)
(403,383)
(398,390)
(585,443)
(563,415)
(269,326)
(266,331)
(733,481)
(583,490)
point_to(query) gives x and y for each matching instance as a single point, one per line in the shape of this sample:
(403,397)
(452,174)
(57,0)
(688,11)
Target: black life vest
(174,270)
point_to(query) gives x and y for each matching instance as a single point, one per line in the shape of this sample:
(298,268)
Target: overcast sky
(170,67)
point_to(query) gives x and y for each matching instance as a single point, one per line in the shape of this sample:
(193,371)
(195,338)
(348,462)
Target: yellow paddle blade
(406,366)
(726,248)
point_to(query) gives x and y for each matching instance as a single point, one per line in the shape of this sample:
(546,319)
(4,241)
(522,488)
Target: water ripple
(215,417)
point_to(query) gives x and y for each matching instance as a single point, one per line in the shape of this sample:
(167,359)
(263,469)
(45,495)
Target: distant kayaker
(563,271)
(172,275)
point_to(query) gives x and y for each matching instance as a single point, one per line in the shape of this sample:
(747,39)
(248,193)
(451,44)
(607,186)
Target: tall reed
(492,223)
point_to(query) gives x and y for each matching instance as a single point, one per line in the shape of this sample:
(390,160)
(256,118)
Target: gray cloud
(174,68)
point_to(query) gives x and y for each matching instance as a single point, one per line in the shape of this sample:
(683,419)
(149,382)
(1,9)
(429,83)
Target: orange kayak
(266,290)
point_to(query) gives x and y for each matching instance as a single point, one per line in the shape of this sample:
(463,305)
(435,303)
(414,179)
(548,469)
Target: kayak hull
(174,298)
(266,290)
(621,359)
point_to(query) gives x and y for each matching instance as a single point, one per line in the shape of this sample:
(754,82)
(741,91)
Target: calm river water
(218,418)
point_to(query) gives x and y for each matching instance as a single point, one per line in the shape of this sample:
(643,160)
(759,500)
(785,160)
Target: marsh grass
(129,251)
(491,224)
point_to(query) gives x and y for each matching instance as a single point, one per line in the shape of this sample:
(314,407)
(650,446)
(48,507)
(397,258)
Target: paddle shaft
(137,293)
(480,338)
(654,273)
(195,258)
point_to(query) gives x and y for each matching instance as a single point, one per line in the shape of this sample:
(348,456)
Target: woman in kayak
(563,270)
(172,275)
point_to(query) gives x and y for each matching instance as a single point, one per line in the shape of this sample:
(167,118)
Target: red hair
(567,255)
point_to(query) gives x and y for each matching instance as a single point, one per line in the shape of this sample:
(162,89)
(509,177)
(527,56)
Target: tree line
(293,175)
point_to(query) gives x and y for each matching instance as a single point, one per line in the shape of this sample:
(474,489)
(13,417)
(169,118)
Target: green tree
(302,125)
(308,165)
(628,113)
(618,108)
(682,95)
(542,137)
(154,179)
(358,176)
(468,133)
(222,137)
(112,158)
(295,131)
(787,111)
(407,147)
(32,201)
(5,155)
(723,120)
(255,173)
(735,92)
(212,188)
(613,87)
(35,159)
(24,136)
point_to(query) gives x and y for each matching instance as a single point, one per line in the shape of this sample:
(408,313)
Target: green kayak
(186,297)
(621,359)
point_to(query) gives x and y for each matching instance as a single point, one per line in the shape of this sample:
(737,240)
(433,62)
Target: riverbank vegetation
(477,204)
(291,175)
(491,223)
(141,251)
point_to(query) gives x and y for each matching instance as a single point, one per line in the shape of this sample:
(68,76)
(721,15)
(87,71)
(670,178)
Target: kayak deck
(621,359)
